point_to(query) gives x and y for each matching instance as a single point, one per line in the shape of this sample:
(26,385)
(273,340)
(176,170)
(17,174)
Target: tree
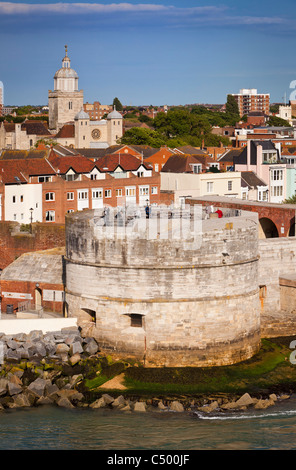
(277,121)
(117,104)
(231,105)
(142,136)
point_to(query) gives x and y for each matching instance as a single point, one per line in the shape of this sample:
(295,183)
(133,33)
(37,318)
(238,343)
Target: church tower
(65,101)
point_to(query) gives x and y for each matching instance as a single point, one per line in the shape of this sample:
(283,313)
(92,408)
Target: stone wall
(277,260)
(14,243)
(195,304)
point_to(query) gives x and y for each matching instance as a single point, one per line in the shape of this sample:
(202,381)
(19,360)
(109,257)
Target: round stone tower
(167,290)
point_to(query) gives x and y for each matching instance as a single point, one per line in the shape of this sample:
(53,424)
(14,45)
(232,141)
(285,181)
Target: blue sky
(144,52)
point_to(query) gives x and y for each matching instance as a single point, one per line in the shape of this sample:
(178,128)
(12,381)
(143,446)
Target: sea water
(53,428)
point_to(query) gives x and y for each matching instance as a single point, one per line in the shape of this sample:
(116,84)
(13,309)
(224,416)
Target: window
(130,191)
(210,186)
(44,179)
(50,216)
(118,192)
(97,193)
(277,190)
(13,199)
(140,173)
(107,192)
(144,190)
(70,210)
(276,175)
(196,169)
(49,196)
(21,198)
(156,167)
(70,177)
(70,104)
(136,320)
(229,185)
(82,195)
(154,190)
(70,196)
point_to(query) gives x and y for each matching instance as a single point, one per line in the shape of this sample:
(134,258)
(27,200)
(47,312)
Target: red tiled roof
(78,163)
(13,171)
(127,162)
(183,163)
(66,132)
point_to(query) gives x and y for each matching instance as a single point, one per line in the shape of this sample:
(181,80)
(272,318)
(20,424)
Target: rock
(284,397)
(76,348)
(64,403)
(209,408)
(176,406)
(37,387)
(161,406)
(75,359)
(245,400)
(273,397)
(21,400)
(263,404)
(119,402)
(108,399)
(140,406)
(99,403)
(62,349)
(91,347)
(50,389)
(229,406)
(14,389)
(44,401)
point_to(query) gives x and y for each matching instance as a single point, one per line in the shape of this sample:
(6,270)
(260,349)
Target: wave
(253,415)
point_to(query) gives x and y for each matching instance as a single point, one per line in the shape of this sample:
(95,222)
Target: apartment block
(249,101)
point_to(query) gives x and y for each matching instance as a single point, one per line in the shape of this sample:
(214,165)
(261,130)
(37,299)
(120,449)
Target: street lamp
(31,219)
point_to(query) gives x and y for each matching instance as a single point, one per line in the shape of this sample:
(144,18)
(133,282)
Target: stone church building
(71,123)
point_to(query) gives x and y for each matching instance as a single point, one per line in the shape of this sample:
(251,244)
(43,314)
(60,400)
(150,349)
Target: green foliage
(290,200)
(231,105)
(140,136)
(277,121)
(117,104)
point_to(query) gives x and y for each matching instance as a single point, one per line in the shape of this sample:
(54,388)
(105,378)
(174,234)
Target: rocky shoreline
(45,369)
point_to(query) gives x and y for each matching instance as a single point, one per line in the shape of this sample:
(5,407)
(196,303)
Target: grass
(268,371)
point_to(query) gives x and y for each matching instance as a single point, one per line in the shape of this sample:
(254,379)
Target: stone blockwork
(277,268)
(167,301)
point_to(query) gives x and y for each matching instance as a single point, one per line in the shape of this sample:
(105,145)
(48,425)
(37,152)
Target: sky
(159,52)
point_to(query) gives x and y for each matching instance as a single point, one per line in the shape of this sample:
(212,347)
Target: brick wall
(14,243)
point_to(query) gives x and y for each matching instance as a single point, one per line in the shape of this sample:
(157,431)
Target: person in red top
(220,213)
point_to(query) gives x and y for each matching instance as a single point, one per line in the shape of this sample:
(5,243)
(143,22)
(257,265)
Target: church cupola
(66,79)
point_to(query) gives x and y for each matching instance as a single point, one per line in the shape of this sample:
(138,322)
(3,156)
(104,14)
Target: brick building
(249,101)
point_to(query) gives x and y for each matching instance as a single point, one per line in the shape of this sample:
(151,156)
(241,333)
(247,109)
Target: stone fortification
(168,300)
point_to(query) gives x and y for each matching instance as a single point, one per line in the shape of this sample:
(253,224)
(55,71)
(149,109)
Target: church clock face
(96,134)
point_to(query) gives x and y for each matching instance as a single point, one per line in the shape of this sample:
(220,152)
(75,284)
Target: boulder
(64,403)
(14,389)
(91,347)
(21,400)
(99,403)
(75,359)
(263,404)
(76,348)
(108,399)
(209,408)
(38,386)
(62,349)
(245,400)
(176,406)
(119,402)
(140,406)
(161,406)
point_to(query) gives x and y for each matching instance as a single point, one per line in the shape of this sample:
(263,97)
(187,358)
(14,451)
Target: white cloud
(195,15)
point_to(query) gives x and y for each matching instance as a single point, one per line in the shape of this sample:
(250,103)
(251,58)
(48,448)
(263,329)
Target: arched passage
(267,228)
(292,228)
